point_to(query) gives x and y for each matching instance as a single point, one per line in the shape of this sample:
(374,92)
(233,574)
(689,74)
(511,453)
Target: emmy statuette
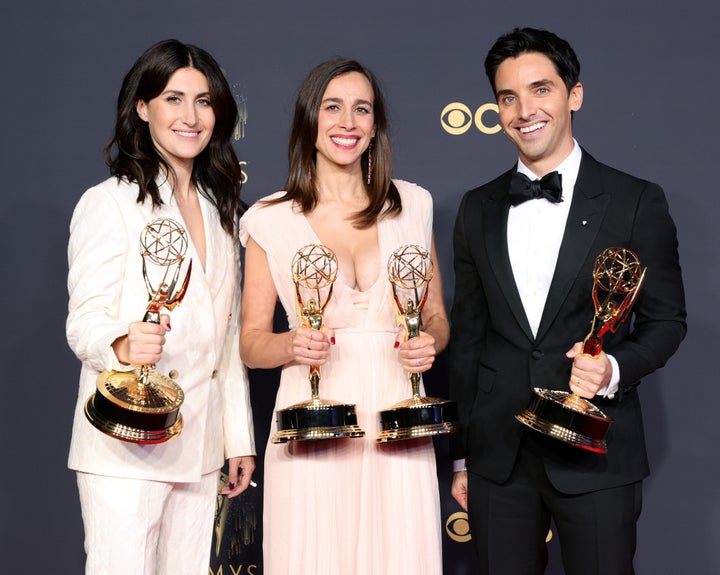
(142,405)
(564,415)
(314,270)
(410,270)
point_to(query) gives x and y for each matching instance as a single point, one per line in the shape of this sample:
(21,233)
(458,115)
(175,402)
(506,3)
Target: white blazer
(107,292)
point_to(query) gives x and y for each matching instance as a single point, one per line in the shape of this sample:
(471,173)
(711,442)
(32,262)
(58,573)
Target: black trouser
(509,523)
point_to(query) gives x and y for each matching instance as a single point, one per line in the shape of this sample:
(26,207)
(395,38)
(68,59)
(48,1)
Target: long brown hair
(384,196)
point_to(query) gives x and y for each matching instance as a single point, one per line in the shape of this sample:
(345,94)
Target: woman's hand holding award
(314,270)
(142,405)
(410,271)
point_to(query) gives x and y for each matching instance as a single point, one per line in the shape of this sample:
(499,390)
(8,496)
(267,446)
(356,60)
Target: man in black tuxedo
(522,307)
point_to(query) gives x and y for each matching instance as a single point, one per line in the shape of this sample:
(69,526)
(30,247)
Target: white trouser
(139,527)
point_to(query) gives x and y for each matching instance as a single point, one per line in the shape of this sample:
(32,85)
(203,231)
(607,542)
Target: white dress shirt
(534,233)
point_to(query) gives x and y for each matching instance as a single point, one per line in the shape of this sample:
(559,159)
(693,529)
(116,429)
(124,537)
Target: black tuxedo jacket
(494,359)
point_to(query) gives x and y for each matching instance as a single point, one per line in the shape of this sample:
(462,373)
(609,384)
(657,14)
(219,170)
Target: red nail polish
(231,485)
(397,344)
(332,340)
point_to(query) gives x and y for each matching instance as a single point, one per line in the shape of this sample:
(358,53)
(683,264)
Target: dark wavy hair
(130,153)
(525,40)
(300,187)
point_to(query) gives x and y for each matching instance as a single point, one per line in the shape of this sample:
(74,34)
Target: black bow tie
(523,188)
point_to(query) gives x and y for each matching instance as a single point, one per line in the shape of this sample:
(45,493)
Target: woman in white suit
(149,508)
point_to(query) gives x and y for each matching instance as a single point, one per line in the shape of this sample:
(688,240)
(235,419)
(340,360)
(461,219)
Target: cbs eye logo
(458,528)
(456,118)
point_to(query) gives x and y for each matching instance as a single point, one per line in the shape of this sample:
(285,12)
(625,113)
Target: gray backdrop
(651,96)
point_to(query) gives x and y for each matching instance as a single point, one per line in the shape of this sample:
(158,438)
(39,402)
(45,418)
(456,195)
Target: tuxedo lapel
(583,224)
(495,215)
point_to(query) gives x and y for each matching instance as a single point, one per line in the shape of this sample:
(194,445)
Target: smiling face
(346,122)
(536,110)
(180,118)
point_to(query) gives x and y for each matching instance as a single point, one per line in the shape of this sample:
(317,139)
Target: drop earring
(369,164)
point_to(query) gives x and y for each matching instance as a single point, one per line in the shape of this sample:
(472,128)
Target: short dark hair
(525,40)
(130,153)
(384,196)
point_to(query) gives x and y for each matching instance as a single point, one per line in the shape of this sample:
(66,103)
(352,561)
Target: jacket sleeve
(96,257)
(468,321)
(659,323)
(237,415)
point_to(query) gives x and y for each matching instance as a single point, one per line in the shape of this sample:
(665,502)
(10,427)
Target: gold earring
(369,164)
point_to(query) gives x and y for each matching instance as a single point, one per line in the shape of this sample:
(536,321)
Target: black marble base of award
(316,419)
(568,418)
(418,417)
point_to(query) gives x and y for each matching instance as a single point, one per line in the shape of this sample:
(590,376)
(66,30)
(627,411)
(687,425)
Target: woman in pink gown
(350,505)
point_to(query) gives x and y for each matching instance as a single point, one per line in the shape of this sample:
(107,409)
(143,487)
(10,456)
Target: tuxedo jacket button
(537,354)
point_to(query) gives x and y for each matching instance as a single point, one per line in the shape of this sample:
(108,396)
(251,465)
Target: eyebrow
(532,85)
(181,93)
(340,100)
(543,82)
